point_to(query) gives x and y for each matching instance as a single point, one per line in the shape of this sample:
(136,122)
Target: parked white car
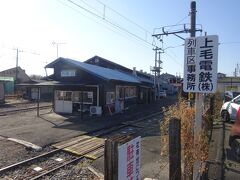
(162,94)
(229,109)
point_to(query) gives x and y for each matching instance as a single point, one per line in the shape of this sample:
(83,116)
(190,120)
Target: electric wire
(171,26)
(120,33)
(172,47)
(113,24)
(229,43)
(123,29)
(124,17)
(171,57)
(180,21)
(127,19)
(90,6)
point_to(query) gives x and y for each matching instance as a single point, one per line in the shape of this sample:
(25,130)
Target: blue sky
(32,26)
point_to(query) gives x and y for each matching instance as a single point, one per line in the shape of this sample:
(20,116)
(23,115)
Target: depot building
(97,86)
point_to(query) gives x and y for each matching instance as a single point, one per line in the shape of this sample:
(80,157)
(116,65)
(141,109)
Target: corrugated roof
(104,73)
(143,77)
(145,80)
(51,83)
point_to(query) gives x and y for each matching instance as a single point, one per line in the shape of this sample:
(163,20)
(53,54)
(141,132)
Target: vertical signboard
(129,160)
(200,64)
(189,84)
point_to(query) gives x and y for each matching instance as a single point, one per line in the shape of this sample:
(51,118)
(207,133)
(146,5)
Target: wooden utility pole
(38,99)
(111,160)
(16,75)
(17,62)
(175,149)
(16,72)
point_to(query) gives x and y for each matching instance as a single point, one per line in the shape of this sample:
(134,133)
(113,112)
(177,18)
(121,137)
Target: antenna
(57,44)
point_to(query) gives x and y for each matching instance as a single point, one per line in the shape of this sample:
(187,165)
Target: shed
(2,92)
(80,86)
(8,84)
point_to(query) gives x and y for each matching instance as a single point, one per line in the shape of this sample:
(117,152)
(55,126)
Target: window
(237,101)
(68,96)
(85,97)
(129,91)
(64,95)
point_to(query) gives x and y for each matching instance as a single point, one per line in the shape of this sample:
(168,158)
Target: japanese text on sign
(200,65)
(129,160)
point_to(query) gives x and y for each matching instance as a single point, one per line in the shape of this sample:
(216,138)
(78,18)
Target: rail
(97,133)
(13,111)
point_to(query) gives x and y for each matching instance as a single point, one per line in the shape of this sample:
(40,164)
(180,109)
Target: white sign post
(129,160)
(200,64)
(200,76)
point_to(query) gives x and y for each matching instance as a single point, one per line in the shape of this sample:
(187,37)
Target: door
(67,103)
(34,93)
(63,102)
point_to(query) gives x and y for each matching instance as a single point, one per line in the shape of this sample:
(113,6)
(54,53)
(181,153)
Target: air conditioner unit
(95,110)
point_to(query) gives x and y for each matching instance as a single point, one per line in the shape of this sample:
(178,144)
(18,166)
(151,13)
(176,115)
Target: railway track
(48,163)
(25,109)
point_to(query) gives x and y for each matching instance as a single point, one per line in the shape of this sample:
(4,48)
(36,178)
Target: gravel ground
(45,163)
(52,128)
(76,171)
(11,107)
(11,152)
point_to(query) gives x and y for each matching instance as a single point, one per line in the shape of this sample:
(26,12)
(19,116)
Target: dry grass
(218,101)
(191,151)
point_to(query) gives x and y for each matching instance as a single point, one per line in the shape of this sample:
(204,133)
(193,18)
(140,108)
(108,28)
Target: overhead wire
(181,20)
(172,47)
(120,33)
(124,17)
(136,37)
(90,6)
(127,19)
(170,27)
(113,24)
(174,25)
(171,57)
(229,43)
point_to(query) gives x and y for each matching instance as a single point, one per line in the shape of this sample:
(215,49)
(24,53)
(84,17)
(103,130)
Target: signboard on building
(68,73)
(200,64)
(129,160)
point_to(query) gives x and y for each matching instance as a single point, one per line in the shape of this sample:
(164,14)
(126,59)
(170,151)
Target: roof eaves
(50,65)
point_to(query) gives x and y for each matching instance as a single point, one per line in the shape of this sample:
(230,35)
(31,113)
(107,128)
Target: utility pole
(193,19)
(192,34)
(157,69)
(198,100)
(192,30)
(16,73)
(199,96)
(16,68)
